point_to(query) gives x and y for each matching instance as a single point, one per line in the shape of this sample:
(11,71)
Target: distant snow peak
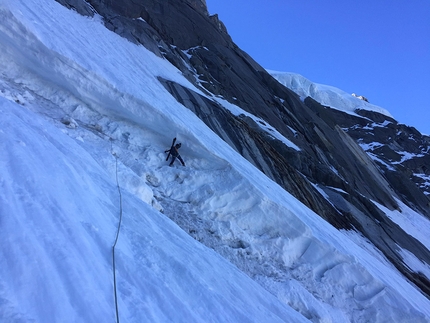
(325,94)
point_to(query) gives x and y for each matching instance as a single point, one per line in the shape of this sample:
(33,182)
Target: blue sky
(379,49)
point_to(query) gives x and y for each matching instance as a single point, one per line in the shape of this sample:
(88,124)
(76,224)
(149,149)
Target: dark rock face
(333,145)
(400,152)
(80,6)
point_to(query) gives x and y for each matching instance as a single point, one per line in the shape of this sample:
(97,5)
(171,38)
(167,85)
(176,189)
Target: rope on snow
(117,233)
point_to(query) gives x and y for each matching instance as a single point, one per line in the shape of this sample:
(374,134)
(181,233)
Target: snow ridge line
(117,233)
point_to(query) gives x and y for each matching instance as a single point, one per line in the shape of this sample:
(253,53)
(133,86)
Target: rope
(117,235)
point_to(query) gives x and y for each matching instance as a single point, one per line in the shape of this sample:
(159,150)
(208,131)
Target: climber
(175,154)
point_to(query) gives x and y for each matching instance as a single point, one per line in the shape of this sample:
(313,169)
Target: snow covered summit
(326,95)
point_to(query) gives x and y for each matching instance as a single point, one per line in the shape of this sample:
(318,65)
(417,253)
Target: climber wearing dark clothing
(175,154)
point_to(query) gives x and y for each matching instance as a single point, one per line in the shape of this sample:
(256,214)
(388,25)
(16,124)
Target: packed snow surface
(83,128)
(325,94)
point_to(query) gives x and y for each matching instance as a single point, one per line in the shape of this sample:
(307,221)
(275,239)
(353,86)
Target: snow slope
(325,94)
(60,212)
(83,129)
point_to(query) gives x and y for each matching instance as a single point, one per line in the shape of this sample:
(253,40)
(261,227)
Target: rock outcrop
(360,97)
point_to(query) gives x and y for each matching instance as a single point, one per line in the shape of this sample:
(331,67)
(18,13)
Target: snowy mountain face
(289,209)
(326,95)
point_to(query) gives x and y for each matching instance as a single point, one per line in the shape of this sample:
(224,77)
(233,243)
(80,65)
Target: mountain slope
(327,157)
(396,148)
(91,106)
